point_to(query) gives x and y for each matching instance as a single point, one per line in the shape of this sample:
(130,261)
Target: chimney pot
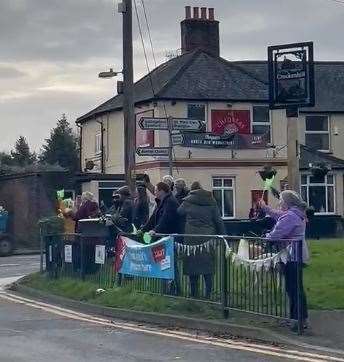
(211,14)
(187,12)
(196,12)
(204,13)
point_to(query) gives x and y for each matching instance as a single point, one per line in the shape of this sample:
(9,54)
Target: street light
(109,74)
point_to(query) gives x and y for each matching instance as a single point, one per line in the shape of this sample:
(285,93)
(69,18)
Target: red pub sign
(229,121)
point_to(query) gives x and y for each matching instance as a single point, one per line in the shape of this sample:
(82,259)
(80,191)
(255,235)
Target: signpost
(177,139)
(168,124)
(177,124)
(153,151)
(291,85)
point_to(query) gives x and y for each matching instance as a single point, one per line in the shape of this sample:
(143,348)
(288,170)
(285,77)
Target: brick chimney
(200,31)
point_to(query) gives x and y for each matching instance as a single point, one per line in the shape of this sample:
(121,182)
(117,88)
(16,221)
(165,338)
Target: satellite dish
(90,165)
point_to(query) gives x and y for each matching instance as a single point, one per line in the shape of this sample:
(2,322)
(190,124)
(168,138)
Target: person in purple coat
(291,225)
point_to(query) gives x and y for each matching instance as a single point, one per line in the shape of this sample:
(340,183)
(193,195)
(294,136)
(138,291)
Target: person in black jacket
(141,206)
(123,215)
(181,190)
(165,219)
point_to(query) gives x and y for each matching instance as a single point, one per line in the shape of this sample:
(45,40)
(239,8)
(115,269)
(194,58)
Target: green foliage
(21,155)
(51,225)
(324,277)
(124,297)
(62,147)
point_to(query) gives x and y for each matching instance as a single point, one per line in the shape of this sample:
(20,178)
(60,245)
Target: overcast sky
(51,51)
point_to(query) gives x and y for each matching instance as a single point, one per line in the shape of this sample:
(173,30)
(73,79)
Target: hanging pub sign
(234,141)
(291,75)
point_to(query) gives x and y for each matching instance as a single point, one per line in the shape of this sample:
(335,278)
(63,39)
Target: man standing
(181,190)
(123,215)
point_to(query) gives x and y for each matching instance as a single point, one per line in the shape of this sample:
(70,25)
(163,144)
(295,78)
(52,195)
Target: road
(31,331)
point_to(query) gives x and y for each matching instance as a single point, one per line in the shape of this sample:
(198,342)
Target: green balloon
(147,238)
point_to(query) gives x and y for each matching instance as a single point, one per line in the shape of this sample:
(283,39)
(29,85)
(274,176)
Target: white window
(224,193)
(319,192)
(317,133)
(261,123)
(98,143)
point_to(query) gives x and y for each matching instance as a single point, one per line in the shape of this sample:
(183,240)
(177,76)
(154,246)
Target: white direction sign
(178,124)
(153,123)
(185,124)
(153,151)
(177,139)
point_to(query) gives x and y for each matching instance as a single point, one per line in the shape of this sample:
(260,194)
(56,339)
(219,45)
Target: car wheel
(6,247)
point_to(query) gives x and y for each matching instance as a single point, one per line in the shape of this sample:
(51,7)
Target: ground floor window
(319,192)
(224,193)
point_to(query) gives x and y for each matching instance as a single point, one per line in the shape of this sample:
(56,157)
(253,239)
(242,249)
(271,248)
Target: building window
(196,111)
(261,123)
(317,133)
(98,143)
(319,192)
(224,193)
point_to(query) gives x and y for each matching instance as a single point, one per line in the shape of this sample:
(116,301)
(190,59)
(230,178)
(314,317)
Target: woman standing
(202,218)
(291,225)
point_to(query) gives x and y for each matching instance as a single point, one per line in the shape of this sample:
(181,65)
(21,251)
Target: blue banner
(154,261)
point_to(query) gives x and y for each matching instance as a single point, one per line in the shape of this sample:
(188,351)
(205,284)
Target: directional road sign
(153,123)
(177,139)
(185,124)
(178,124)
(153,151)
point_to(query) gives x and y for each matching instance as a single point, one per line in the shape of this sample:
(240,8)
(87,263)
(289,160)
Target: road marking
(6,265)
(243,346)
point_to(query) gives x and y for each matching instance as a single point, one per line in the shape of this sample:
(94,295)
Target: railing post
(82,258)
(224,291)
(300,287)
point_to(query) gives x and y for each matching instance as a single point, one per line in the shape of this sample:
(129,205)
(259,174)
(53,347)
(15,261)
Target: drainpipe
(102,146)
(80,147)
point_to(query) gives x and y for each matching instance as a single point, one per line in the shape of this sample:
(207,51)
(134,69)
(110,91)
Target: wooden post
(128,97)
(293,149)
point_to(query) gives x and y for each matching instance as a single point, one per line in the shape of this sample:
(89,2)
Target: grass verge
(123,297)
(324,277)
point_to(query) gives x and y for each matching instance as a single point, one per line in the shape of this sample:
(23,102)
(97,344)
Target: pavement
(31,330)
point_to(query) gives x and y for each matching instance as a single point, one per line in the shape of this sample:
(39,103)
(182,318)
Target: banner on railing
(154,261)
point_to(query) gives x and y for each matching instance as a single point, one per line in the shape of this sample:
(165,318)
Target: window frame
(222,188)
(325,184)
(328,132)
(98,142)
(253,123)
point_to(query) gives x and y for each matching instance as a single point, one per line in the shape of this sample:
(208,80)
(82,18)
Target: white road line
(250,347)
(6,265)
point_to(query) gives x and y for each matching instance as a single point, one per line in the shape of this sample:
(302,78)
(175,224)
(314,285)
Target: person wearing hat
(291,226)
(141,206)
(122,216)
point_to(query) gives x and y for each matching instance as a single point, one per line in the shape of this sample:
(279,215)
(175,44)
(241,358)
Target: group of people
(171,208)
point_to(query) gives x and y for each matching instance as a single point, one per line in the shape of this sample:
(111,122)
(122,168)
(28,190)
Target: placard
(68,253)
(100,254)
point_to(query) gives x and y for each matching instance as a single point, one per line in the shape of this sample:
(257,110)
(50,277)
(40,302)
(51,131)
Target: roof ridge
(193,55)
(322,154)
(231,64)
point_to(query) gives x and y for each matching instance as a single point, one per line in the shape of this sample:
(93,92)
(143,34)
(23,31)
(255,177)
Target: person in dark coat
(123,216)
(202,217)
(181,190)
(141,206)
(165,219)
